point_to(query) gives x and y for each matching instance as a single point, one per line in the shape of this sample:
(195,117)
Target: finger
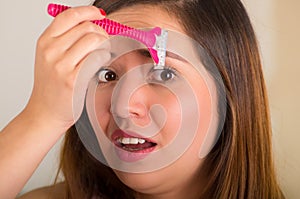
(66,40)
(72,17)
(84,73)
(83,47)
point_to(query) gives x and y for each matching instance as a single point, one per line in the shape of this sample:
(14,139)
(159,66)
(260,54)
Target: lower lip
(128,156)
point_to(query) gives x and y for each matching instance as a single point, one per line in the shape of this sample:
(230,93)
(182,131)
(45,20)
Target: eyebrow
(175,56)
(172,55)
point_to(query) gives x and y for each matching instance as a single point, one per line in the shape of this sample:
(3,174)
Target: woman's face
(182,176)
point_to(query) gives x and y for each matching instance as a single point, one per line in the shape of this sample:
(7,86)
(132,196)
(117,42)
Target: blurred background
(277,24)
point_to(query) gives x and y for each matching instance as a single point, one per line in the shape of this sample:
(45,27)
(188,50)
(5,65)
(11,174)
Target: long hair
(241,164)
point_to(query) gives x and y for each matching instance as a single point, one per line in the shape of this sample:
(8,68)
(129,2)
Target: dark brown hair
(240,165)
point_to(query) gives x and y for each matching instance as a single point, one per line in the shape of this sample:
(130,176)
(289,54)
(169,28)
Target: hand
(61,51)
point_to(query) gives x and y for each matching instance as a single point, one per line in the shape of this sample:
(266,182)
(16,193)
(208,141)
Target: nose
(131,100)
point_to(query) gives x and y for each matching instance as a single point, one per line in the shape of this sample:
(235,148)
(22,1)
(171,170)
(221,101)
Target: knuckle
(59,66)
(90,27)
(94,9)
(94,38)
(69,84)
(41,42)
(56,70)
(48,53)
(106,45)
(73,14)
(59,69)
(45,50)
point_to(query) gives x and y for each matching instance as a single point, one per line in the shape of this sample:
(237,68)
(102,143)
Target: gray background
(276,23)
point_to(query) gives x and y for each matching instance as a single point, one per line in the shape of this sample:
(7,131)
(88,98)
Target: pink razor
(155,39)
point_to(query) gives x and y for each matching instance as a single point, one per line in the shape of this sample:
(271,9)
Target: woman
(240,164)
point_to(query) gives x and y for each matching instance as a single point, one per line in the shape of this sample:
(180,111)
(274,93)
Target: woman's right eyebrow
(144,52)
(113,55)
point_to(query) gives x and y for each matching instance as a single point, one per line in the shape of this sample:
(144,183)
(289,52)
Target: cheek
(205,109)
(173,116)
(102,106)
(207,106)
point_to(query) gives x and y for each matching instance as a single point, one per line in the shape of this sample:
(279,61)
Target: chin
(142,182)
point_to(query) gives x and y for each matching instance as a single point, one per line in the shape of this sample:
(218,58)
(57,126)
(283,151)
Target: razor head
(158,47)
(155,40)
(161,48)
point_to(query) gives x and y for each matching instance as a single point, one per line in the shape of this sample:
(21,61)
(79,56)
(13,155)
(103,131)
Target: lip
(129,156)
(119,133)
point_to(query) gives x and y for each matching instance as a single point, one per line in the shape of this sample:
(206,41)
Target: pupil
(110,76)
(166,75)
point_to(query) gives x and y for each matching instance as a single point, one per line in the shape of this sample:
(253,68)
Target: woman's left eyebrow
(169,54)
(175,56)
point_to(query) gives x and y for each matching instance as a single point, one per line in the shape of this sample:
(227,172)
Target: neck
(190,191)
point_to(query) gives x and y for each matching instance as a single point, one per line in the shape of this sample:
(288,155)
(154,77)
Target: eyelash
(108,69)
(163,75)
(172,69)
(150,73)
(166,68)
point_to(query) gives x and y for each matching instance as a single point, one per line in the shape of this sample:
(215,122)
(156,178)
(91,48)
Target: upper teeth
(131,140)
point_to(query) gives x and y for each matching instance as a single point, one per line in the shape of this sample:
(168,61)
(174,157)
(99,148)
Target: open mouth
(131,143)
(134,144)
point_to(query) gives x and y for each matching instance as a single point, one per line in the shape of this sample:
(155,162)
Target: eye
(106,75)
(162,75)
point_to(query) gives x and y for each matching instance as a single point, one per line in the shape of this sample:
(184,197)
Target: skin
(59,54)
(162,183)
(68,35)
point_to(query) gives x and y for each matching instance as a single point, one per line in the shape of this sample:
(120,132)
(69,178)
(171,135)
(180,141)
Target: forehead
(146,16)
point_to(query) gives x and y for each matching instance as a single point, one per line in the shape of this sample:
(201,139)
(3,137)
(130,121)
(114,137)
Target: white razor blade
(161,47)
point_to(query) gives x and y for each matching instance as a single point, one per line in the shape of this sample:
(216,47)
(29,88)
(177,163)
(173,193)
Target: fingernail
(102,12)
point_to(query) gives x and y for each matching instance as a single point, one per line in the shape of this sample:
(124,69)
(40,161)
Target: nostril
(138,110)
(131,117)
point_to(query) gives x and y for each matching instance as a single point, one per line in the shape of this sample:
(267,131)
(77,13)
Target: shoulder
(52,192)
